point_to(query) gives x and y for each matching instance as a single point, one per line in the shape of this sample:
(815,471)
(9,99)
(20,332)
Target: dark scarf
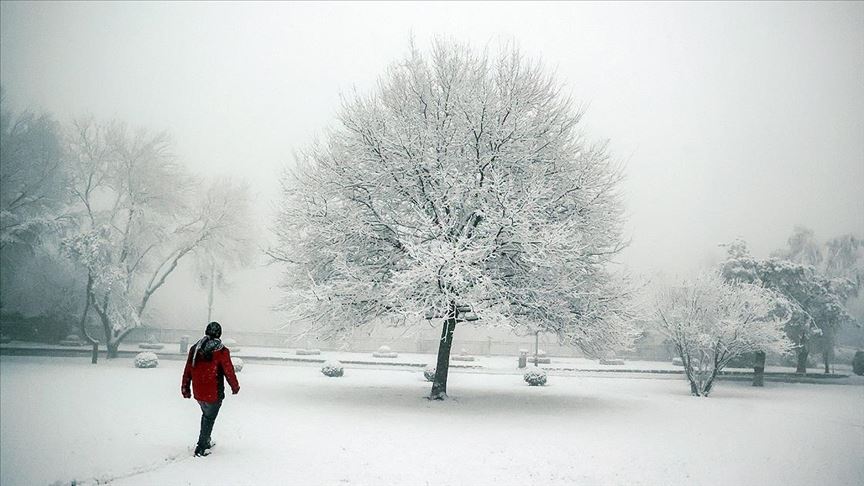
(206,346)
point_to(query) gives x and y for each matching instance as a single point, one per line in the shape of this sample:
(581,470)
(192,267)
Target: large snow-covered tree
(462,188)
(140,214)
(711,321)
(816,302)
(840,261)
(843,265)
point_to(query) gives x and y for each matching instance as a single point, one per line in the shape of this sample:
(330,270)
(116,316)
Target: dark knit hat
(214,330)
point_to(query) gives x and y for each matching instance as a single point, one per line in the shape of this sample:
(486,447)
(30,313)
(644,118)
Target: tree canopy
(462,185)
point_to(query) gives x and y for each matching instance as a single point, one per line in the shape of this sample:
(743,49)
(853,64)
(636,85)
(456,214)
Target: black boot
(201,452)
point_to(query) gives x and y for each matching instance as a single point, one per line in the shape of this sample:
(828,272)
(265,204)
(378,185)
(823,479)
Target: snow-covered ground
(63,419)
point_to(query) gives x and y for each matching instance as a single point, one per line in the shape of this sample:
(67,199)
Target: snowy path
(64,419)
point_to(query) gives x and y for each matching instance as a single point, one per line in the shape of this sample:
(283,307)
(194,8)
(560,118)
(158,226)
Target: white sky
(734,119)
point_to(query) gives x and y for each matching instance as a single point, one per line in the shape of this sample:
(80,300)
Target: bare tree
(216,257)
(711,321)
(140,215)
(461,189)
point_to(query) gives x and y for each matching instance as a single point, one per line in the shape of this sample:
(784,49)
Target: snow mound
(146,359)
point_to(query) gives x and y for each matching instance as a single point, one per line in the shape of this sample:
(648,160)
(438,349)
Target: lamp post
(536,346)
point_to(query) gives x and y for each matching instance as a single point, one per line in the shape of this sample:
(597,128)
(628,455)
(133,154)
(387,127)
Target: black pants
(209,411)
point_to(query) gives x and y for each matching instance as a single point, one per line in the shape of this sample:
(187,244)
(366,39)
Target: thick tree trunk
(106,329)
(694,390)
(94,358)
(802,359)
(112,349)
(688,371)
(112,339)
(828,348)
(759,369)
(439,385)
(710,383)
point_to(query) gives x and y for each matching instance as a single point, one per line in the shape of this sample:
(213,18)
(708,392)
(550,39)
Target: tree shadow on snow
(517,399)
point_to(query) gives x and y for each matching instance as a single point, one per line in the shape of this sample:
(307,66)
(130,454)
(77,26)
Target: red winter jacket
(206,375)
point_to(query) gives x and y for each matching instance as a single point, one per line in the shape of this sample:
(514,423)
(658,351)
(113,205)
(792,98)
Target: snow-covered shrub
(151,343)
(384,352)
(231,344)
(146,359)
(429,373)
(307,352)
(611,361)
(541,357)
(332,369)
(238,364)
(535,377)
(71,340)
(858,363)
(676,361)
(462,356)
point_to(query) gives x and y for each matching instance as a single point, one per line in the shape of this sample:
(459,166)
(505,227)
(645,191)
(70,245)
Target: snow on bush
(858,363)
(384,352)
(307,352)
(332,369)
(146,359)
(151,343)
(535,377)
(71,340)
(611,361)
(238,364)
(231,344)
(462,356)
(429,373)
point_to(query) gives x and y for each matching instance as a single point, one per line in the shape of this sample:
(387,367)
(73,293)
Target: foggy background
(734,120)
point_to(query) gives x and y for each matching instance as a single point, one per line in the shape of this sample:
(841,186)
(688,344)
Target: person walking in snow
(208,364)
